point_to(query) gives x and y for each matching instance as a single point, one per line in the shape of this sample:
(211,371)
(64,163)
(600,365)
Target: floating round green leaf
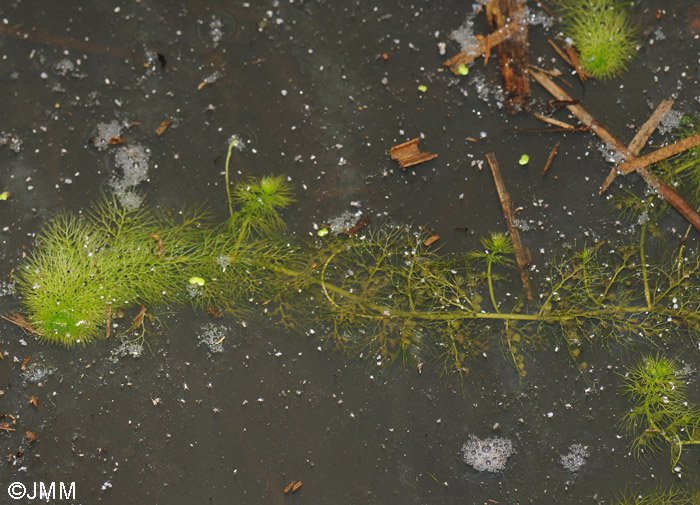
(524,159)
(462,69)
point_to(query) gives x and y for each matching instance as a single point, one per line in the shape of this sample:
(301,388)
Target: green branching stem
(643,261)
(231,145)
(489,277)
(379,311)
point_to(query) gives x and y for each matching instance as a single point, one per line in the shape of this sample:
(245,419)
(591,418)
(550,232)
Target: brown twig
(522,255)
(357,227)
(19,320)
(138,320)
(555,122)
(548,130)
(561,53)
(543,6)
(654,182)
(550,159)
(479,49)
(159,244)
(554,105)
(580,71)
(641,137)
(660,154)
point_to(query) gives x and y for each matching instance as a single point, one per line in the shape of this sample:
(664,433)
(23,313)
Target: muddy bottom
(140,99)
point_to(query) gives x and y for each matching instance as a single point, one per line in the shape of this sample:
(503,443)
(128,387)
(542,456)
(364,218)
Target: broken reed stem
(669,194)
(648,128)
(641,138)
(660,154)
(548,130)
(550,159)
(543,6)
(561,53)
(555,122)
(521,256)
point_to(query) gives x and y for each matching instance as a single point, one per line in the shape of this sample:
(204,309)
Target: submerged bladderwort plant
(603,33)
(383,295)
(661,414)
(86,268)
(672,495)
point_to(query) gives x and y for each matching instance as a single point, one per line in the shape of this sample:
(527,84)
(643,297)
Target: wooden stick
(522,255)
(561,53)
(540,4)
(580,71)
(550,159)
(660,154)
(654,182)
(469,55)
(648,128)
(555,122)
(548,130)
(641,138)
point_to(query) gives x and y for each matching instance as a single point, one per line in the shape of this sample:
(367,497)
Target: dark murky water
(313,98)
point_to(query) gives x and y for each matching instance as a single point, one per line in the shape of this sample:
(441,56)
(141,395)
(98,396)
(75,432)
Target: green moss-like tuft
(603,33)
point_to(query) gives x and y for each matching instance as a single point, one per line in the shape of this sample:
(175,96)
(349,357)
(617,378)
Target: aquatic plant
(86,268)
(383,295)
(661,414)
(259,201)
(672,495)
(603,33)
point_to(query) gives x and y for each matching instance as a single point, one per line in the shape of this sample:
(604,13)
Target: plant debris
(292,487)
(164,126)
(408,154)
(660,154)
(641,138)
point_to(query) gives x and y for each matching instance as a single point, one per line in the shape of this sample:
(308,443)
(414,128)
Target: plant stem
(231,145)
(490,281)
(382,311)
(642,258)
